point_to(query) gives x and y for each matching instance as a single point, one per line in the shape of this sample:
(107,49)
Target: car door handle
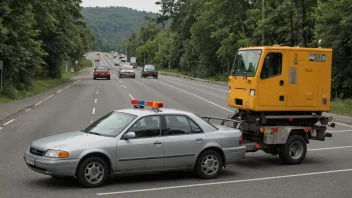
(199,139)
(157,143)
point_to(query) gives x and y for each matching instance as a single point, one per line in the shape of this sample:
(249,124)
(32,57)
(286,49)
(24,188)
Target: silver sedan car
(137,140)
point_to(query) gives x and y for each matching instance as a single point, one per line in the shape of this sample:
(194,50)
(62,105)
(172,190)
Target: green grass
(40,86)
(341,107)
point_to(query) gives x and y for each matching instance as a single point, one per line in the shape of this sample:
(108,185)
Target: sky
(147,5)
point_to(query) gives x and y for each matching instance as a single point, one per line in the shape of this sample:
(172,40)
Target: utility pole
(263,22)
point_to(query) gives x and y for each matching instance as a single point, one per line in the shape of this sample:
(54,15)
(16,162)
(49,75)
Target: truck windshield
(246,63)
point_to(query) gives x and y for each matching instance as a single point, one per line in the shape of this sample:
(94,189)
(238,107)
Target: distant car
(137,140)
(149,70)
(116,63)
(97,59)
(101,72)
(127,71)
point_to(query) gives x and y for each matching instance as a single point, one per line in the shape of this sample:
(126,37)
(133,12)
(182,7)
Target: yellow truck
(280,94)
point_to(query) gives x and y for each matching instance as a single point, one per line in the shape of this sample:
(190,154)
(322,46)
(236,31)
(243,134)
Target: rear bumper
(150,74)
(235,154)
(127,75)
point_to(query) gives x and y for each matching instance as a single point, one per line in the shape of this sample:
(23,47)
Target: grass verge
(40,86)
(341,107)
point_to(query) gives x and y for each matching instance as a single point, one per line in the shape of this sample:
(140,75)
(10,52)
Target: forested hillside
(205,34)
(36,39)
(111,26)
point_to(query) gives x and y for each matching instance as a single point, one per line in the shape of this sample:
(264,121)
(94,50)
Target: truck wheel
(92,172)
(208,165)
(294,151)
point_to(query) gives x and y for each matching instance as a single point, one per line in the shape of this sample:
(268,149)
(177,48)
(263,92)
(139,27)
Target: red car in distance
(101,72)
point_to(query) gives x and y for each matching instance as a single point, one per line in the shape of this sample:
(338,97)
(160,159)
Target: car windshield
(246,63)
(127,68)
(111,124)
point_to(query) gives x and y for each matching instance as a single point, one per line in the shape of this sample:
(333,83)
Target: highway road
(326,172)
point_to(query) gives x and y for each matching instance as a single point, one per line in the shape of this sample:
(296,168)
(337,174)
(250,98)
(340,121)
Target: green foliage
(206,34)
(111,26)
(36,38)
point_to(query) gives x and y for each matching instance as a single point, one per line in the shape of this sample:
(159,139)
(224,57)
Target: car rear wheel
(92,172)
(208,165)
(294,151)
(109,78)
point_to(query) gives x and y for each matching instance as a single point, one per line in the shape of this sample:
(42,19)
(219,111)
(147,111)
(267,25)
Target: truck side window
(272,65)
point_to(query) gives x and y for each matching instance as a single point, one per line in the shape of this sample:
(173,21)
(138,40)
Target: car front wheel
(208,165)
(92,172)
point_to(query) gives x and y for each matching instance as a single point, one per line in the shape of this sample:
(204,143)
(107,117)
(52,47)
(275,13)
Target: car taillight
(240,141)
(95,73)
(121,72)
(108,73)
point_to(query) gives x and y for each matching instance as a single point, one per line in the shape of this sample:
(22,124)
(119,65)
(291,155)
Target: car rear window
(149,67)
(127,68)
(102,68)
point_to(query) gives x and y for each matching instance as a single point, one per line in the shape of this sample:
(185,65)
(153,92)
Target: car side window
(272,65)
(179,125)
(194,126)
(148,126)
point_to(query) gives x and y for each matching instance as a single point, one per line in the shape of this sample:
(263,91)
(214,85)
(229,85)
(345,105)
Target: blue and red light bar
(147,103)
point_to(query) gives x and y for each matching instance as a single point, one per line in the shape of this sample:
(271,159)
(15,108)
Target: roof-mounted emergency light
(143,103)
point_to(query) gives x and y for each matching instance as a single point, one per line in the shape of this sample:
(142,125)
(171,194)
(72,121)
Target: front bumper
(51,166)
(235,154)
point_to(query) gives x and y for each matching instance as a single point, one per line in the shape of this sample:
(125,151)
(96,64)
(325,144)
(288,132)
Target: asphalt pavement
(326,171)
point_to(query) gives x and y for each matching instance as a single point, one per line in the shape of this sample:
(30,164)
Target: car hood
(67,140)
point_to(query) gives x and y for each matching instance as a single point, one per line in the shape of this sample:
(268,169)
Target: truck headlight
(252,92)
(56,154)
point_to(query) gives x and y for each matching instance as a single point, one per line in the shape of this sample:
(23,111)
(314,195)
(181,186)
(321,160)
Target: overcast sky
(147,5)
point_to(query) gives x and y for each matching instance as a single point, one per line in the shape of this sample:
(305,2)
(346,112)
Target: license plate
(30,161)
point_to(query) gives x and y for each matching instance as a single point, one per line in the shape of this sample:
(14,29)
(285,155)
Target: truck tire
(208,161)
(294,151)
(96,169)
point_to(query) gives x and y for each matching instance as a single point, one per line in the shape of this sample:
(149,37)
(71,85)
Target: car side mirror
(129,135)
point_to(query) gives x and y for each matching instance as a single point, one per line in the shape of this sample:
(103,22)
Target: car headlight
(56,154)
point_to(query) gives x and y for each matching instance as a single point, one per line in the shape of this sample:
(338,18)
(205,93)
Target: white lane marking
(38,103)
(340,131)
(131,96)
(0,128)
(91,121)
(28,109)
(125,87)
(225,182)
(48,97)
(195,96)
(93,111)
(202,85)
(120,81)
(59,91)
(9,122)
(330,148)
(95,101)
(342,124)
(92,70)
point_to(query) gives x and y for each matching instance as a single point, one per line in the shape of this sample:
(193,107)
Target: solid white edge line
(131,96)
(176,79)
(95,101)
(343,124)
(93,111)
(225,182)
(340,131)
(330,148)
(59,91)
(28,109)
(9,122)
(195,96)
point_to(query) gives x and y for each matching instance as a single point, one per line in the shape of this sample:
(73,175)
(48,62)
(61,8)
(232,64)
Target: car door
(145,151)
(184,139)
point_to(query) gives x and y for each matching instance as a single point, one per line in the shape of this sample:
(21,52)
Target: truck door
(272,80)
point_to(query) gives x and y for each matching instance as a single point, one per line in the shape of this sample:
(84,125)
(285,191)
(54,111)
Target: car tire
(215,161)
(92,162)
(285,151)
(108,78)
(156,77)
